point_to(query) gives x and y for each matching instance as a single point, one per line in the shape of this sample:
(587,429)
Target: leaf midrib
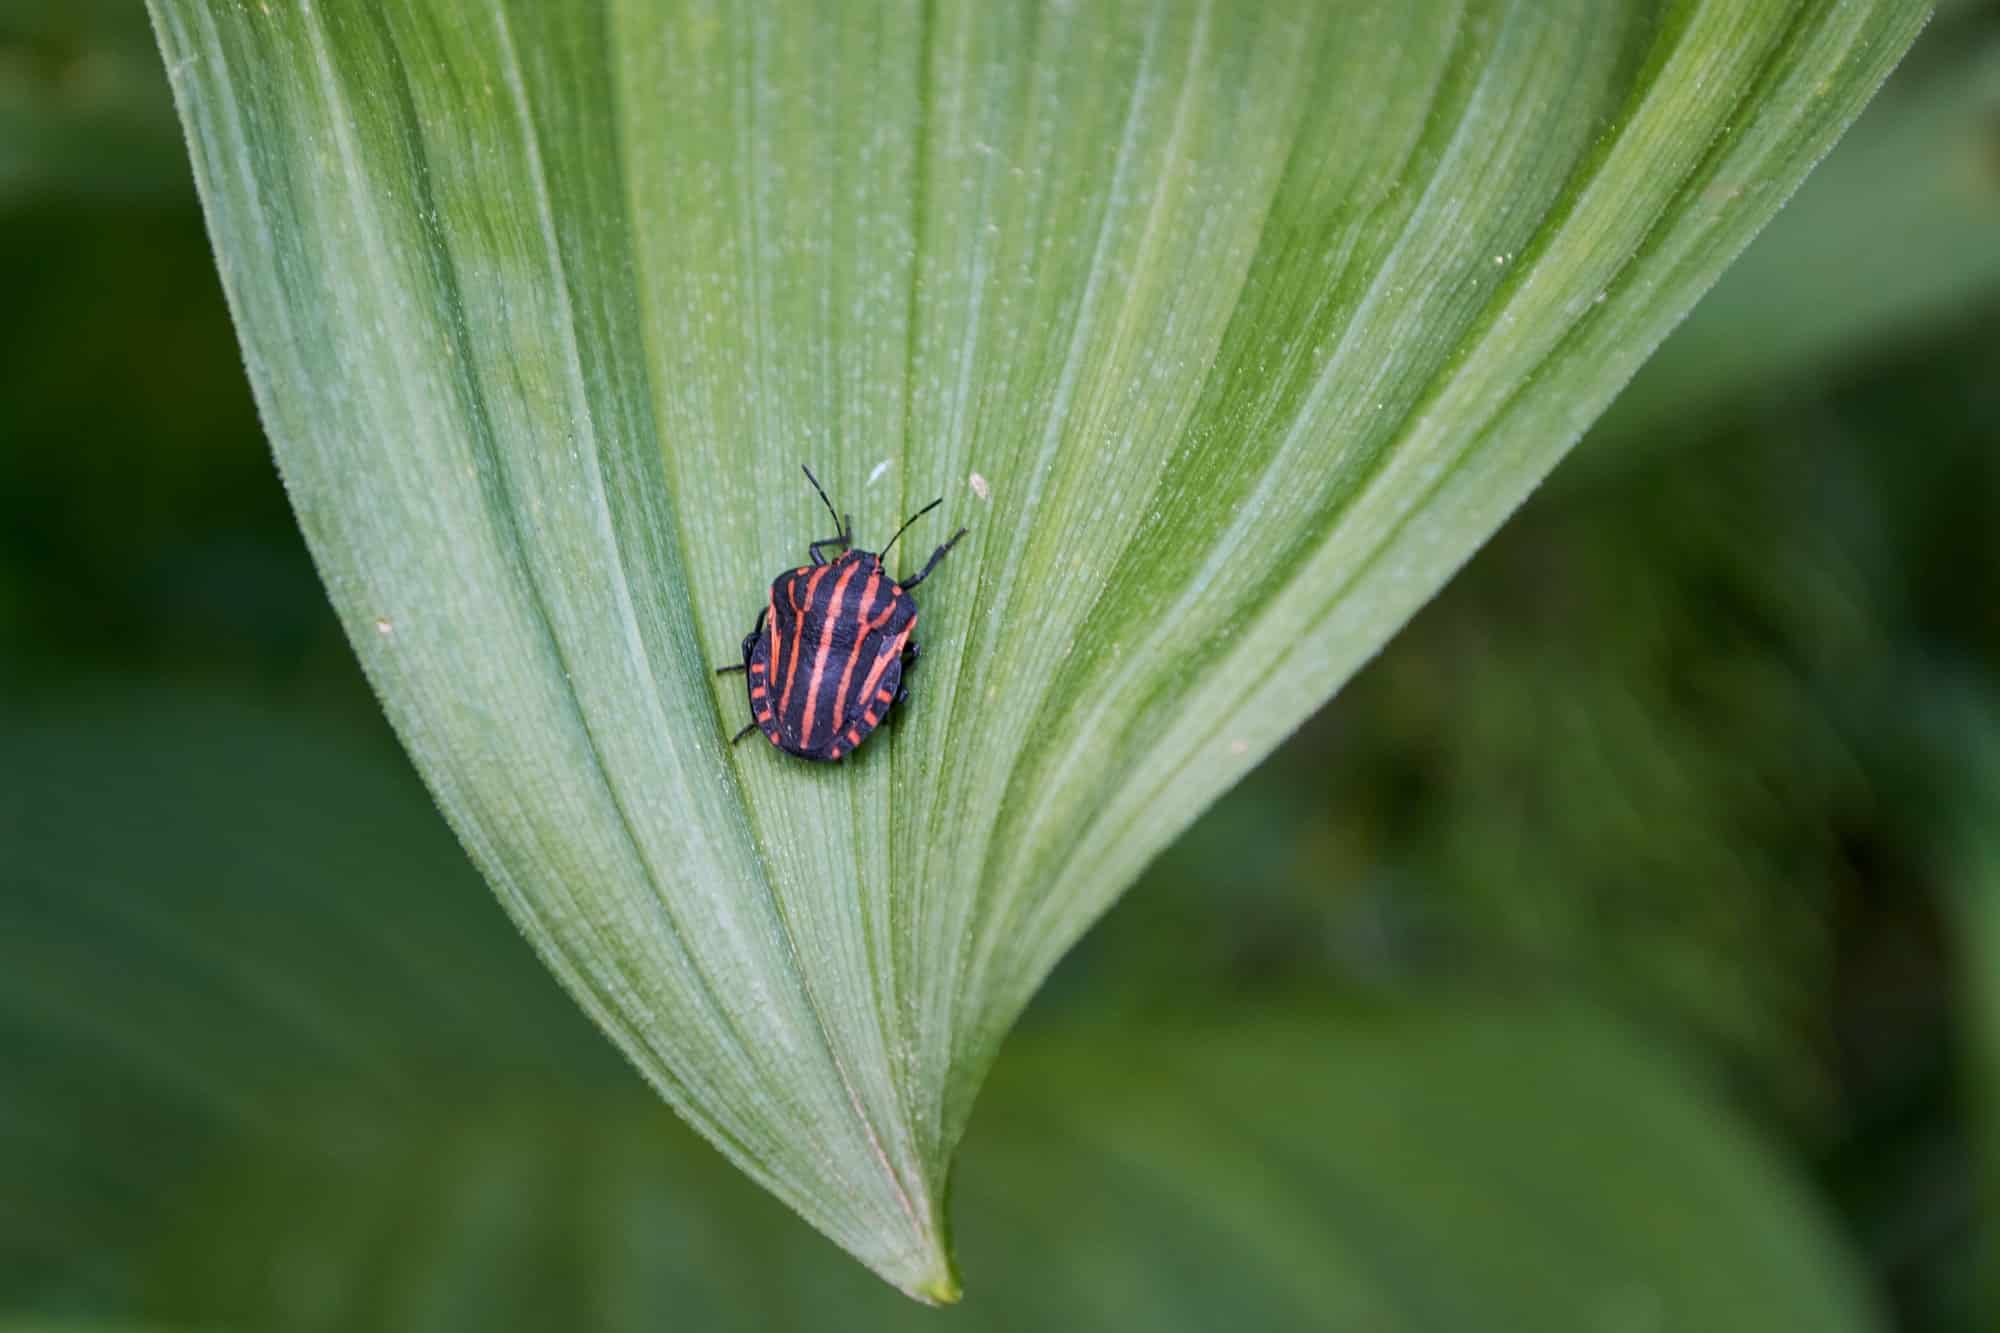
(913,1198)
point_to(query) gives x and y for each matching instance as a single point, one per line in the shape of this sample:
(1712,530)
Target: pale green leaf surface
(267,1075)
(1250,320)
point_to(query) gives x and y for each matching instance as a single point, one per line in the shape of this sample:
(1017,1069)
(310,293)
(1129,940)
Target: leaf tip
(941,1287)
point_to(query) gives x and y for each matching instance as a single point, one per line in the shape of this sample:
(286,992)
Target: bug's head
(853,554)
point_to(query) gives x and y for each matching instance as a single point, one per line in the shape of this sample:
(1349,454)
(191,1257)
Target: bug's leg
(749,645)
(932,563)
(749,649)
(843,539)
(910,654)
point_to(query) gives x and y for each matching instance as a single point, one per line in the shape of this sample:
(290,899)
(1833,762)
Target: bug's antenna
(883,554)
(822,496)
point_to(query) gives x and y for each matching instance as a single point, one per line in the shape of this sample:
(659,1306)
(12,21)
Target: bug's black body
(826,660)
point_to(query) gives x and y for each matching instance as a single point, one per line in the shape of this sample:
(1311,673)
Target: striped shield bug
(826,660)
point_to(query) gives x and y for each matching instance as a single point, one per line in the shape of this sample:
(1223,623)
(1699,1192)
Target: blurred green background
(1620,951)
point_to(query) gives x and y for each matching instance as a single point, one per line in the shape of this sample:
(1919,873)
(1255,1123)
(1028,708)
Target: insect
(826,660)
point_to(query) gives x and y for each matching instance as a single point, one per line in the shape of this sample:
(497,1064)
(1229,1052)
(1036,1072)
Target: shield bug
(826,660)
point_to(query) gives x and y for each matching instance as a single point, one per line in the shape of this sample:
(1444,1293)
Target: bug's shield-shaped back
(829,663)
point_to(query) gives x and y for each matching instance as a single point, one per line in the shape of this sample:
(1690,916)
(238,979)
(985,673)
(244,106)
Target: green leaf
(1511,1171)
(205,907)
(1230,330)
(83,110)
(1819,284)
(69,1326)
(246,1094)
(1954,793)
(1979,920)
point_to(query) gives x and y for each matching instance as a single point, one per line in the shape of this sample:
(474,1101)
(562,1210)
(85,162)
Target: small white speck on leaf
(384,626)
(979,487)
(876,475)
(1239,747)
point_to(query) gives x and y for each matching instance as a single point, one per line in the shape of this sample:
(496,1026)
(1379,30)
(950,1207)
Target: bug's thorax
(855,565)
(868,560)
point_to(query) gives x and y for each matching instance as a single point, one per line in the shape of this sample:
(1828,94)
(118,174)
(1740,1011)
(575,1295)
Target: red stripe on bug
(798,631)
(853,736)
(825,646)
(890,651)
(854,653)
(883,697)
(771,642)
(758,691)
(869,717)
(771,633)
